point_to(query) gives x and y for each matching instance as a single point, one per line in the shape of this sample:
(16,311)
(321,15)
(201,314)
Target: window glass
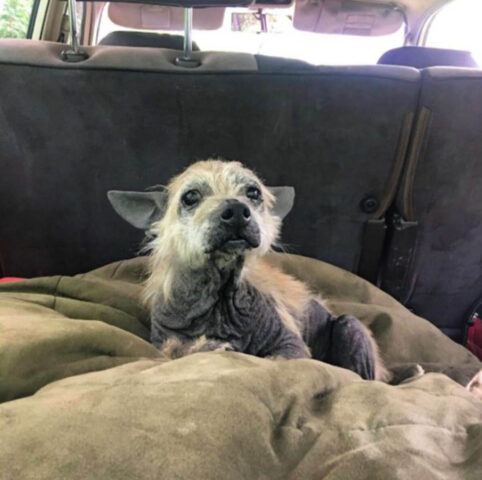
(458,26)
(272,33)
(14,18)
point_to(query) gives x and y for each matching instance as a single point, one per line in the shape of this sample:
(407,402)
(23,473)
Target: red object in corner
(10,279)
(474,338)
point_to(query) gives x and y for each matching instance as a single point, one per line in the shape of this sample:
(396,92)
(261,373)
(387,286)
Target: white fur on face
(181,236)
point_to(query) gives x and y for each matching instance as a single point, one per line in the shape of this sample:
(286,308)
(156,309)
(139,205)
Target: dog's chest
(231,312)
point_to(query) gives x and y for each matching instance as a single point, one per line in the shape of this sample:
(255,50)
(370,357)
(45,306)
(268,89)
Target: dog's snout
(235,214)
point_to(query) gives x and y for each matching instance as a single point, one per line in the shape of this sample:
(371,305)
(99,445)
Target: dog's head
(214,209)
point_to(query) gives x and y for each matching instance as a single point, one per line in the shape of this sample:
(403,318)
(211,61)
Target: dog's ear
(284,200)
(140,209)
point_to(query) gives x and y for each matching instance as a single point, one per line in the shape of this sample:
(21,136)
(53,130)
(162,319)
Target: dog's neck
(220,271)
(195,291)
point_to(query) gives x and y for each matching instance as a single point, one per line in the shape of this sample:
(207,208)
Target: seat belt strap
(372,248)
(397,277)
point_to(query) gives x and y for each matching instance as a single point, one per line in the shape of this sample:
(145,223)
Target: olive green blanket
(85,396)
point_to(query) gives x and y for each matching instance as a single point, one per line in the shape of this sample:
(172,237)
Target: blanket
(85,395)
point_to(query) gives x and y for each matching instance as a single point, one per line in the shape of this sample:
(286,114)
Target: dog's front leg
(342,341)
(351,346)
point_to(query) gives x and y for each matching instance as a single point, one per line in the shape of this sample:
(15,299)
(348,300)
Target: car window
(14,18)
(272,33)
(457,26)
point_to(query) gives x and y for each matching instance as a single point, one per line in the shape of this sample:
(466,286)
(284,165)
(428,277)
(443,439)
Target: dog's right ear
(140,209)
(284,200)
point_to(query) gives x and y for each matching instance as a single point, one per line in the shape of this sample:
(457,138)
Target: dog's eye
(191,198)
(253,193)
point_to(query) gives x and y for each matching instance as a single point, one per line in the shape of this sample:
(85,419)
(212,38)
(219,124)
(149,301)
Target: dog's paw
(174,348)
(204,344)
(405,373)
(351,347)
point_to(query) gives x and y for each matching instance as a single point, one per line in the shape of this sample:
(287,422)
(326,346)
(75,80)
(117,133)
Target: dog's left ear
(140,209)
(284,200)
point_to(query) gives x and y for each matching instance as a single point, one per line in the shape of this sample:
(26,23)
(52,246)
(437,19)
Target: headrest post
(186,60)
(187,33)
(73,54)
(74,39)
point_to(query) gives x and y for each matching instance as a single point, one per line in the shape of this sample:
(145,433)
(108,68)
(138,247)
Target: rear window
(271,32)
(457,26)
(15,18)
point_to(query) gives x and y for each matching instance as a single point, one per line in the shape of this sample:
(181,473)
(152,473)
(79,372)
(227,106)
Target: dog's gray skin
(215,301)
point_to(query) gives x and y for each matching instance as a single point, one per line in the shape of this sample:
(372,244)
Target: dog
(210,286)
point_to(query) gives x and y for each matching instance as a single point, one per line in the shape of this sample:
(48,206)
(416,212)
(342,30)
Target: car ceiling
(417,12)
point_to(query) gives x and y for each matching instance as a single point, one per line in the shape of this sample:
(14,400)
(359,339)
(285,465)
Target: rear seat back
(437,271)
(128,118)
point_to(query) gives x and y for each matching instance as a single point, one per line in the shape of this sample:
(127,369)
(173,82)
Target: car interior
(384,162)
(385,158)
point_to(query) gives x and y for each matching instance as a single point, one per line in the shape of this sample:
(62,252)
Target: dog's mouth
(240,244)
(237,244)
(229,243)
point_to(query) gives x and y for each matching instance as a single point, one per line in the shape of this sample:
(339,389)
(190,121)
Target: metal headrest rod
(186,60)
(73,53)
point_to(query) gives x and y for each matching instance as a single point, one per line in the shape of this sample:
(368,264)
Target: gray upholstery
(442,192)
(423,57)
(70,132)
(145,39)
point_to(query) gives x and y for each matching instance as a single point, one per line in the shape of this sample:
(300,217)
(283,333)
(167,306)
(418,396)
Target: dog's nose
(235,214)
